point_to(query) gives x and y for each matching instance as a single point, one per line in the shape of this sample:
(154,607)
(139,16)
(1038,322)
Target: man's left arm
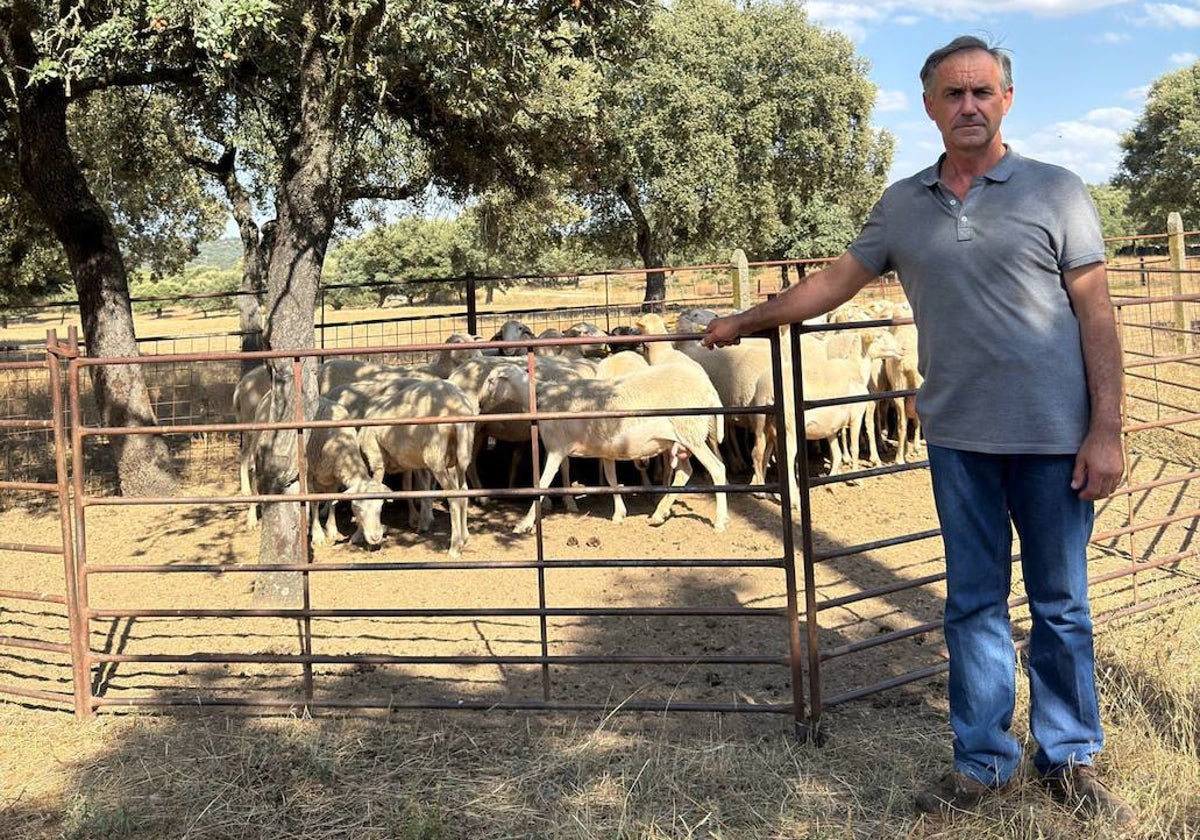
(1099,463)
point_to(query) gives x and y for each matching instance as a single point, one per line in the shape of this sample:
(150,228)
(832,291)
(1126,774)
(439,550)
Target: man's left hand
(1098,466)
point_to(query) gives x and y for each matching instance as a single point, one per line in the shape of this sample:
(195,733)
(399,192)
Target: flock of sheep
(571,383)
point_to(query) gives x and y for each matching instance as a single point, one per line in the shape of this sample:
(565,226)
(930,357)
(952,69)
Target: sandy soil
(488,613)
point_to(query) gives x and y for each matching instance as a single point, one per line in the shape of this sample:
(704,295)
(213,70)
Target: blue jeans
(976,496)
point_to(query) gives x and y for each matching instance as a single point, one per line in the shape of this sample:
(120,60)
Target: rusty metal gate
(838,645)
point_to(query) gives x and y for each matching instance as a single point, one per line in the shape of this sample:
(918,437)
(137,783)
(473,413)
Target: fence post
(472,295)
(739,275)
(1178,263)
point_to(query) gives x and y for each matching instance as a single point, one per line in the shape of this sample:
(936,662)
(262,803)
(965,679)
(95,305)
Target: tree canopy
(736,126)
(1161,163)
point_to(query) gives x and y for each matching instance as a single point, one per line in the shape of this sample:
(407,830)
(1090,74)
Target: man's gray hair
(965,42)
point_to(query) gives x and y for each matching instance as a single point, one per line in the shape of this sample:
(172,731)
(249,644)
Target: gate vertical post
(1178,264)
(306,511)
(76,608)
(472,293)
(77,587)
(811,623)
(800,719)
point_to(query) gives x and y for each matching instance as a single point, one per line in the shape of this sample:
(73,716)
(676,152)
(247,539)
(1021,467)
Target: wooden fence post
(739,275)
(1178,263)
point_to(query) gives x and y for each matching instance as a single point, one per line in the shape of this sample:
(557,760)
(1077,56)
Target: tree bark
(308,197)
(256,246)
(656,281)
(55,182)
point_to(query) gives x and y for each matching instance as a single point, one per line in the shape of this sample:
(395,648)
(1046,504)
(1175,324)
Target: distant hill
(220,253)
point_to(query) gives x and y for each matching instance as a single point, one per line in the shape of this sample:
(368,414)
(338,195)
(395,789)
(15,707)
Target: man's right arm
(818,293)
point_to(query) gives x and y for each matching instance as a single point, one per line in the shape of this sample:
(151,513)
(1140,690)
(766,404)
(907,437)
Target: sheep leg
(858,417)
(315,529)
(610,475)
(568,500)
(764,447)
(246,479)
(869,425)
(553,461)
(901,429)
(680,477)
(910,405)
(421,481)
(835,454)
(448,479)
(710,459)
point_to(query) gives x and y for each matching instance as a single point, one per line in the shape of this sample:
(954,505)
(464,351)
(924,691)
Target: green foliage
(1161,164)
(738,126)
(1112,204)
(397,260)
(86,820)
(218,253)
(202,289)
(160,209)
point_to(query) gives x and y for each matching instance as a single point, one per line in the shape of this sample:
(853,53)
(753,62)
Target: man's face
(968,101)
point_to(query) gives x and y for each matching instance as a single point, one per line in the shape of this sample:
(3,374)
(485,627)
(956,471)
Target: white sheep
(662,352)
(694,320)
(626,438)
(256,384)
(335,463)
(472,378)
(445,449)
(512,330)
(902,375)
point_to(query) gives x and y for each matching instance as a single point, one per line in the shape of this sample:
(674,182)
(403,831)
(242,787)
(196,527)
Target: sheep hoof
(657,520)
(720,524)
(522,528)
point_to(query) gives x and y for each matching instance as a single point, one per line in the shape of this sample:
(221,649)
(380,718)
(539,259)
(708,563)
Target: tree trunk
(256,246)
(306,206)
(53,179)
(656,281)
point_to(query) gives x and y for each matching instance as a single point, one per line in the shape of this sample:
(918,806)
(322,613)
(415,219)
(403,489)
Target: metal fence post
(1178,264)
(739,275)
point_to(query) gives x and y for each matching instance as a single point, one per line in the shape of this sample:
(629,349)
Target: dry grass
(462,775)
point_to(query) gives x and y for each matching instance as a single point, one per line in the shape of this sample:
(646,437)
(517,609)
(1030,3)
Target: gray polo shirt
(999,343)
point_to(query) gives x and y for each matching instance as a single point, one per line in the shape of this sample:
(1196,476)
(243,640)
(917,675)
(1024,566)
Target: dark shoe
(954,792)
(1080,789)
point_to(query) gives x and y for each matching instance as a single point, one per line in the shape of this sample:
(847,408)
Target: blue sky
(1081,68)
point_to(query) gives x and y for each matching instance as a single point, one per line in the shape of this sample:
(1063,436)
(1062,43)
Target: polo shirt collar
(1002,171)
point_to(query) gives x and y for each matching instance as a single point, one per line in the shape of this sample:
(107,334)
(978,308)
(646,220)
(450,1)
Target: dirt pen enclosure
(587,614)
(601,619)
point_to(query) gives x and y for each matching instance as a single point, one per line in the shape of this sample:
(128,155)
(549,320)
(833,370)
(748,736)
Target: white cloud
(1137,94)
(851,19)
(854,19)
(1089,146)
(1172,15)
(1111,38)
(891,100)
(1184,59)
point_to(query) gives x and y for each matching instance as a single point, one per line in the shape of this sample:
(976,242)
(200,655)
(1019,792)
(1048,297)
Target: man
(1002,260)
